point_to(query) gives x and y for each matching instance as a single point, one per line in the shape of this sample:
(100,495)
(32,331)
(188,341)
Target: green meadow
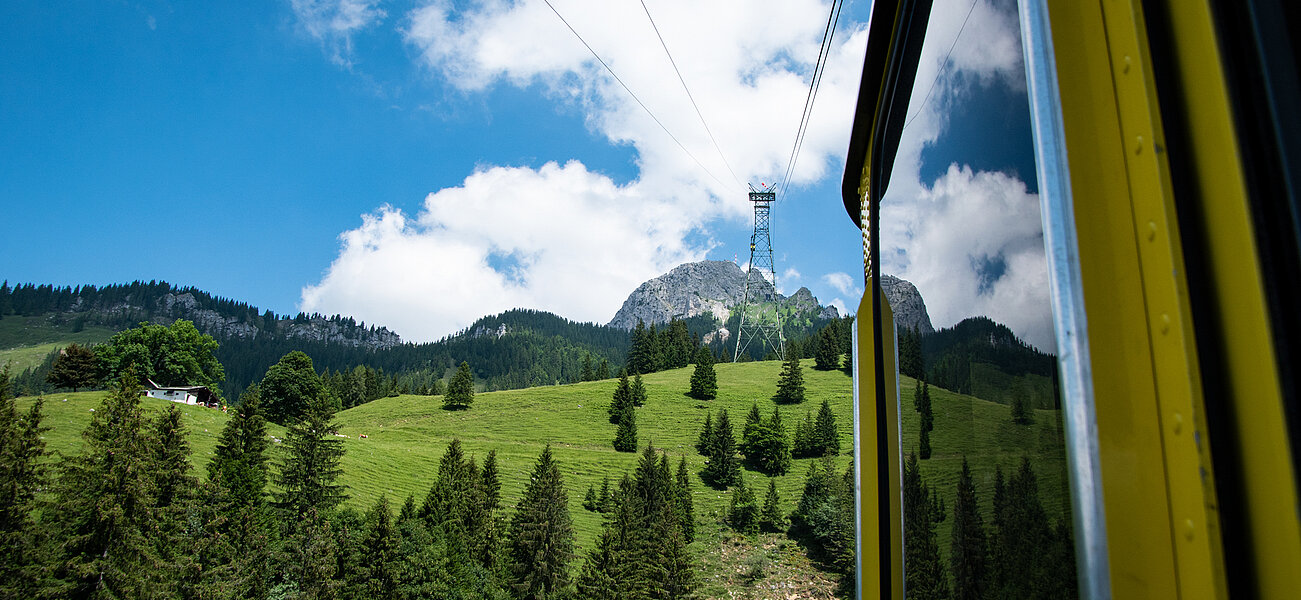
(406,435)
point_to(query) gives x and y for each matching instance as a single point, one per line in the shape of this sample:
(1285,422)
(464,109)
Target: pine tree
(589,499)
(587,373)
(910,353)
(101,507)
(750,433)
(828,354)
(174,490)
(622,397)
(1023,539)
(826,437)
(686,513)
(928,417)
(771,517)
(22,474)
(605,499)
(603,371)
(704,382)
(234,549)
(924,444)
(722,468)
(969,550)
(638,394)
(309,466)
(541,535)
(804,445)
(790,385)
(1022,412)
(743,513)
(74,368)
(460,390)
(625,438)
(382,565)
(924,575)
(706,435)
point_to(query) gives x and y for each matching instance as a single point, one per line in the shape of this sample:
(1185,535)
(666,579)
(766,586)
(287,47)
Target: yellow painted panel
(876,520)
(1140,544)
(1274,526)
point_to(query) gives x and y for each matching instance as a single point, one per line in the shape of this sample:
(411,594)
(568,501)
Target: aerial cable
(824,52)
(634,96)
(818,86)
(943,65)
(688,91)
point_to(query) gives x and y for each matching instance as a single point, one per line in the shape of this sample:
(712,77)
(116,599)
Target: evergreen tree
(750,432)
(603,371)
(625,438)
(308,468)
(74,368)
(704,382)
(101,508)
(924,574)
(722,468)
(910,353)
(924,444)
(605,499)
(22,474)
(804,445)
(706,435)
(381,569)
(589,499)
(686,513)
(1022,411)
(969,551)
(828,354)
(622,398)
(587,374)
(233,549)
(826,437)
(641,357)
(790,385)
(928,417)
(174,490)
(541,535)
(1023,539)
(743,514)
(638,392)
(460,390)
(771,517)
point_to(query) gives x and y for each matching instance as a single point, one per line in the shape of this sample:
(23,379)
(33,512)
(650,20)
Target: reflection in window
(986,501)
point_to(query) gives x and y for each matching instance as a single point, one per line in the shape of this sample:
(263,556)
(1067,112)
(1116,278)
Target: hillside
(406,436)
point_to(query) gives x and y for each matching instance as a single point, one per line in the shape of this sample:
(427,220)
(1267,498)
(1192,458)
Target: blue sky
(420,164)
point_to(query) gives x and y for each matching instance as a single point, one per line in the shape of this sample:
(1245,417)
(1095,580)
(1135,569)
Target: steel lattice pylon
(760,318)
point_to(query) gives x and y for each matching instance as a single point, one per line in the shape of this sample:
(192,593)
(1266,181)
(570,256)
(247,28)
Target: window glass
(986,498)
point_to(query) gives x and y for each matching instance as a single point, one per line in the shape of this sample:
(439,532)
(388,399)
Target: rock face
(711,286)
(907,304)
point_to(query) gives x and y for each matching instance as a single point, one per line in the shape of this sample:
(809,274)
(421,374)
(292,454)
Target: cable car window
(986,499)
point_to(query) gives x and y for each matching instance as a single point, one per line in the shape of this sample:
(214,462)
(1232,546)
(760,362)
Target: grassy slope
(984,433)
(408,434)
(27,340)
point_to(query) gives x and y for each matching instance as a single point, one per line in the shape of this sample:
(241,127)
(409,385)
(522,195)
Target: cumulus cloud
(334,22)
(843,283)
(970,241)
(577,243)
(576,247)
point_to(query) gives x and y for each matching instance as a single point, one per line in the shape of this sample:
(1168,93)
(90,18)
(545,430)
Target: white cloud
(970,241)
(843,283)
(334,22)
(788,280)
(577,244)
(566,239)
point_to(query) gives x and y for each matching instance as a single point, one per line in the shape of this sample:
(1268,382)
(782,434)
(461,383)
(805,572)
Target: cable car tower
(760,317)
